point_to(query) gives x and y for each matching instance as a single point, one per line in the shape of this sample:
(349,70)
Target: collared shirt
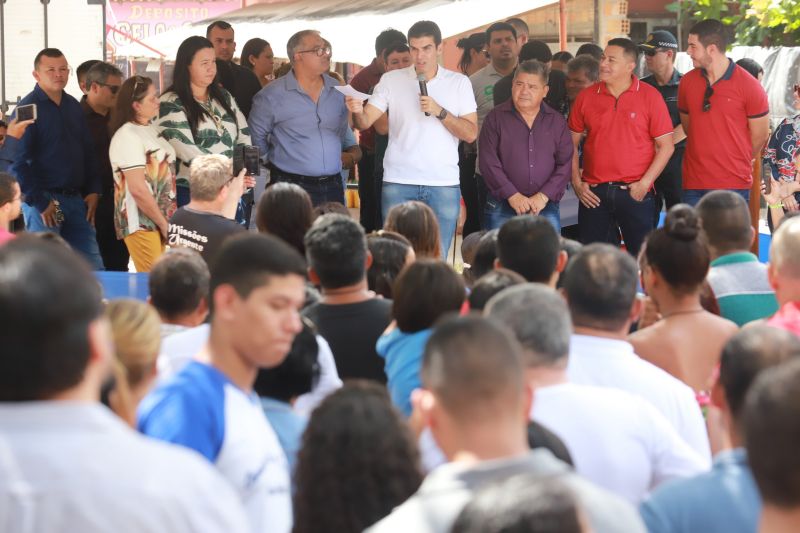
(483,82)
(57,150)
(74,466)
(8,152)
(98,127)
(740,285)
(365,81)
(669,92)
(724,499)
(421,151)
(718,146)
(783,148)
(617,440)
(296,134)
(612,363)
(515,158)
(620,131)
(447,489)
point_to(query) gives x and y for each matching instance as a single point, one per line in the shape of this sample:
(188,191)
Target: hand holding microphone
(423,92)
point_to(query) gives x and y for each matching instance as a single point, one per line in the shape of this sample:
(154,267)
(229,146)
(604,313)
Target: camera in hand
(245,157)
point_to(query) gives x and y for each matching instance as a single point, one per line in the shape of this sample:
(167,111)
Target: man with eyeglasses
(56,164)
(725,114)
(102,82)
(660,50)
(298,121)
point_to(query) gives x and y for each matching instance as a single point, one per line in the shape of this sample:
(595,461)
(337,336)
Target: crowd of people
(321,373)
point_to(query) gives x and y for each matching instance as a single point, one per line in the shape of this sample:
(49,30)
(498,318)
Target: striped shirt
(739,282)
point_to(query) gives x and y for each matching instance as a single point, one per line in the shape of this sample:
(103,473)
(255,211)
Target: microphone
(423,88)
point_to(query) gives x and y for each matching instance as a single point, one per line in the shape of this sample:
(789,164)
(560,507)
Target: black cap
(660,39)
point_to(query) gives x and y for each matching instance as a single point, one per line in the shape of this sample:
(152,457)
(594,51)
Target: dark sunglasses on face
(651,53)
(113,88)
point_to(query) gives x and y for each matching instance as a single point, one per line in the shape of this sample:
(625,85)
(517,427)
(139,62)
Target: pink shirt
(5,236)
(787,317)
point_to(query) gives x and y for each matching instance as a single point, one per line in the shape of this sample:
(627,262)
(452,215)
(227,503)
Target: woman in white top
(144,173)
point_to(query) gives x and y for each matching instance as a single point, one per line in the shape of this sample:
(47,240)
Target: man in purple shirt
(525,126)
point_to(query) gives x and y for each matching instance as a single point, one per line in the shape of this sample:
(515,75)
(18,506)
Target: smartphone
(26,112)
(766,178)
(245,157)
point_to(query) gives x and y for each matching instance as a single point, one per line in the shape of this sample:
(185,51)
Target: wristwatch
(442,114)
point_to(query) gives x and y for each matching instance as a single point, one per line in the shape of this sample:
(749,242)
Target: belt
(65,191)
(309,180)
(618,184)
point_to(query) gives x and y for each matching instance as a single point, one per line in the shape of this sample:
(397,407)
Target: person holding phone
(144,173)
(781,155)
(10,135)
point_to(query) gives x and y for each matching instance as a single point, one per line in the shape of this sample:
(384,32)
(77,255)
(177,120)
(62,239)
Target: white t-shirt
(616,439)
(421,151)
(612,363)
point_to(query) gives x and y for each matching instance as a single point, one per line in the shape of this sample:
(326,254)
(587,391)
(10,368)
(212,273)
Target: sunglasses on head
(707,98)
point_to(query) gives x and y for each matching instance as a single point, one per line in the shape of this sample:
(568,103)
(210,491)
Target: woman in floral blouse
(781,154)
(197,115)
(144,173)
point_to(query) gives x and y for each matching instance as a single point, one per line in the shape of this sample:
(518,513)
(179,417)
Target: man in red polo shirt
(725,114)
(628,143)
(366,80)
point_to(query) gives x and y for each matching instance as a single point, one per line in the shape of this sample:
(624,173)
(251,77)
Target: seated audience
(10,205)
(531,247)
(423,293)
(784,275)
(178,286)
(257,289)
(469,245)
(490,284)
(68,463)
(349,316)
(687,341)
(474,400)
(357,462)
(280,387)
(284,211)
(330,207)
(600,287)
(523,504)
(571,247)
(737,278)
(726,498)
(771,432)
(136,332)
(485,255)
(616,439)
(390,255)
(207,220)
(417,222)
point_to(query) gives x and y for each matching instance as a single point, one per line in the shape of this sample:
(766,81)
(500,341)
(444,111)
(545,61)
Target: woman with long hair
(197,116)
(285,211)
(144,173)
(257,55)
(417,222)
(358,461)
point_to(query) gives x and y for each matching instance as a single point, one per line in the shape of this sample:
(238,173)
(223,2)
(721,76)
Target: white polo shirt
(612,363)
(616,439)
(421,151)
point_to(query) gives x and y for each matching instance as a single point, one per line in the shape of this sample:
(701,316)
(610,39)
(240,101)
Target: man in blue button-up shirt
(55,164)
(298,121)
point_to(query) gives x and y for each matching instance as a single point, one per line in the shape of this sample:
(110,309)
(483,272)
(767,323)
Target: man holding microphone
(432,109)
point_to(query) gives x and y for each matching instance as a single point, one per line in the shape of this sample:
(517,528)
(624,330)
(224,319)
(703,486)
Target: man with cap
(660,50)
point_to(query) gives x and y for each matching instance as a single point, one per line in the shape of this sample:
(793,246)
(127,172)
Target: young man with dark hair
(771,433)
(720,100)
(178,285)
(421,161)
(59,443)
(737,278)
(241,82)
(349,316)
(600,287)
(56,163)
(102,82)
(475,401)
(726,498)
(617,439)
(10,204)
(257,289)
(621,157)
(365,81)
(530,246)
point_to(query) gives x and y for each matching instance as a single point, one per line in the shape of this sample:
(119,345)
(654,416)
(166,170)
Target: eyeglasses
(319,51)
(707,98)
(113,88)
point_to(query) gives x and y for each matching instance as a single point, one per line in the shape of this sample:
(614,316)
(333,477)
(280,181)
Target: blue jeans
(496,212)
(321,190)
(444,200)
(693,196)
(75,229)
(617,212)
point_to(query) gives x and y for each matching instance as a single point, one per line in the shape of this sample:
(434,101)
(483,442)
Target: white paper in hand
(347,90)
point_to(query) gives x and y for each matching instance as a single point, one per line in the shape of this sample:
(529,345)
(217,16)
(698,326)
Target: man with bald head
(475,402)
(784,275)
